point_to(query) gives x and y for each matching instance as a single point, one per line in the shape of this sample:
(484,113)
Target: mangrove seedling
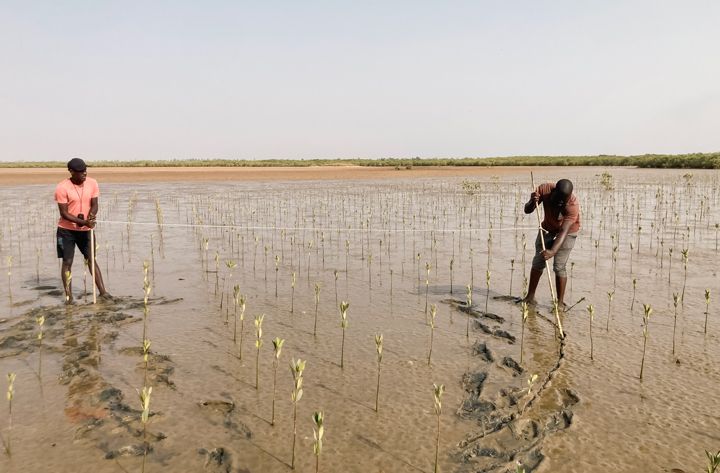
(452,263)
(292,292)
(713,461)
(258,345)
(379,351)
(9,275)
(10,395)
(145,404)
(41,323)
(296,368)
(277,349)
(236,303)
(230,266)
(217,271)
(438,392)
(335,274)
(146,354)
(277,268)
(676,300)
(487,286)
(646,320)
(591,312)
(530,382)
(343,324)
(707,307)
(433,313)
(610,295)
(317,302)
(427,286)
(241,301)
(685,263)
(468,304)
(512,271)
(318,432)
(525,312)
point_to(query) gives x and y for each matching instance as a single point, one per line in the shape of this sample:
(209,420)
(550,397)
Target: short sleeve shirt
(78,200)
(554,216)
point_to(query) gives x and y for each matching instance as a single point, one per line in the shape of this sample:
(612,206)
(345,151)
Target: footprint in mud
(223,411)
(472,310)
(159,367)
(481,350)
(495,332)
(219,460)
(508,440)
(512,365)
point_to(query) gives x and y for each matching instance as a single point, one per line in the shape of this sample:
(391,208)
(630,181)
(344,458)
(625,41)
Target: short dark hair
(564,187)
(76,164)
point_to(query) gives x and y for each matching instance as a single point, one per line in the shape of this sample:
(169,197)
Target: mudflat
(15,176)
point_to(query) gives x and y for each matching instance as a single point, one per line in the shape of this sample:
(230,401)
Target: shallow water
(76,407)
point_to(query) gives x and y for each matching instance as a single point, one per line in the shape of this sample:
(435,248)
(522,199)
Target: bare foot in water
(529,301)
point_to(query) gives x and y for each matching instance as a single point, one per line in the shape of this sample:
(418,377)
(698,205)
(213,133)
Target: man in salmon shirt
(562,222)
(77,199)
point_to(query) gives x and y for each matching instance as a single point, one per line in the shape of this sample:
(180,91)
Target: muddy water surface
(368,242)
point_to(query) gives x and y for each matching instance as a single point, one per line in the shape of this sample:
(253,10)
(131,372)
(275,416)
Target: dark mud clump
(512,365)
(495,332)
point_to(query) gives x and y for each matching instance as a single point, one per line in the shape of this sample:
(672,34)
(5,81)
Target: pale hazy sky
(306,79)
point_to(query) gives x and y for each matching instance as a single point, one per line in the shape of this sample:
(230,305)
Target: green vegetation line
(678,161)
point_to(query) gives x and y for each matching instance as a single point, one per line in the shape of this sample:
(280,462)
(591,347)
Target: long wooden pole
(547,263)
(92,263)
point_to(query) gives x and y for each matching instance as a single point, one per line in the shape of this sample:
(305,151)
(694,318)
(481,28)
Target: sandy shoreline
(15,176)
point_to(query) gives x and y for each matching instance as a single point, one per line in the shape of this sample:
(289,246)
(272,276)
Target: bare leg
(98,279)
(560,284)
(67,285)
(535,275)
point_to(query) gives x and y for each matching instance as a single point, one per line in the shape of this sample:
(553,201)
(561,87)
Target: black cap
(77,164)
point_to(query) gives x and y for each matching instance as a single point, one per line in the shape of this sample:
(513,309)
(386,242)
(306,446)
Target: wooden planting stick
(547,263)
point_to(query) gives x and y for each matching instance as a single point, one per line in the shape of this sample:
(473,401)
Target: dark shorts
(68,239)
(561,257)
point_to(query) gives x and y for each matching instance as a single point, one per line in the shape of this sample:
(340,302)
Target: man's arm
(559,240)
(64,213)
(93,211)
(531,204)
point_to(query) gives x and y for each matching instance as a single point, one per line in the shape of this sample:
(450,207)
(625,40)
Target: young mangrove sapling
(646,320)
(591,312)
(318,432)
(296,368)
(277,348)
(438,392)
(343,324)
(258,345)
(379,351)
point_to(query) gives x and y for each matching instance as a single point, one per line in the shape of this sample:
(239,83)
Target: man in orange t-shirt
(77,199)
(562,223)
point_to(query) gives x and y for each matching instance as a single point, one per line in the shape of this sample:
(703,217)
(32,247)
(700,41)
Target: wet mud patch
(512,424)
(159,367)
(79,336)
